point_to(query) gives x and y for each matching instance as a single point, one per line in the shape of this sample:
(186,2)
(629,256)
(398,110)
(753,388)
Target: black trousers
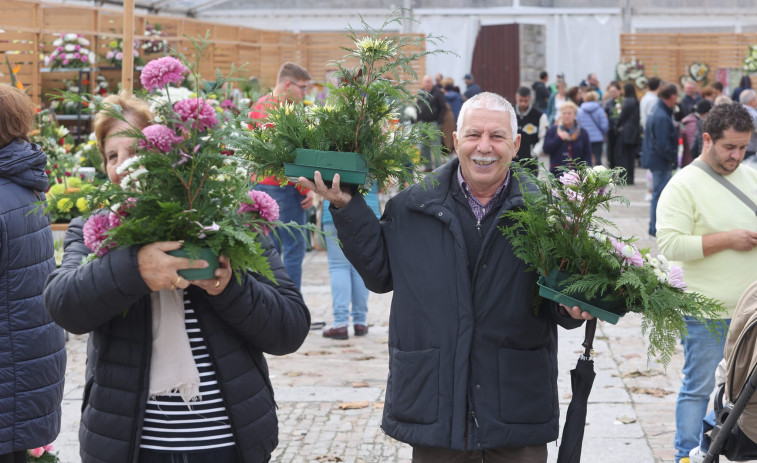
(225,455)
(15,457)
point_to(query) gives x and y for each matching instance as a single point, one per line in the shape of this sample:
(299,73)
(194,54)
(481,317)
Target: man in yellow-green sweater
(713,235)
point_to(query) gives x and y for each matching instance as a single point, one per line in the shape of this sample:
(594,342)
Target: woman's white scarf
(173,368)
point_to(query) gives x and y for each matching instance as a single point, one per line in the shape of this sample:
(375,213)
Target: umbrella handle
(591,328)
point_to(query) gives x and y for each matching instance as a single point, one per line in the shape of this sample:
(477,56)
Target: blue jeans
(292,245)
(346,284)
(660,178)
(701,354)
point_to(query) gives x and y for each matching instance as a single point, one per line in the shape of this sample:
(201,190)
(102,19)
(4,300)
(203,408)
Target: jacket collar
(437,189)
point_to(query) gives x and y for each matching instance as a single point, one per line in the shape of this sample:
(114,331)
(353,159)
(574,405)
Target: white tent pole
(127,64)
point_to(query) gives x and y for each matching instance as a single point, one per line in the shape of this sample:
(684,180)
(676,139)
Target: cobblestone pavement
(330,393)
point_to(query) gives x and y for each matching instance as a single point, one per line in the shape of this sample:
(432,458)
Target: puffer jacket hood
(591,116)
(23,163)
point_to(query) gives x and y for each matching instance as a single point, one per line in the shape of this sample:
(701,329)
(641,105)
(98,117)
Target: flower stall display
(115,54)
(71,51)
(750,61)
(155,42)
(183,183)
(42,454)
(582,261)
(351,133)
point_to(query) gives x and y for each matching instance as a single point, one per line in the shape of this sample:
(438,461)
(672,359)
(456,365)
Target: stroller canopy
(740,354)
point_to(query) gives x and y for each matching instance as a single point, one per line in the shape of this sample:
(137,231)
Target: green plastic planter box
(351,167)
(551,285)
(207,273)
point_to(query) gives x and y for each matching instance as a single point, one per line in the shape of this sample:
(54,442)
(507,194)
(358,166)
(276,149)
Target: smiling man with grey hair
(462,302)
(748,98)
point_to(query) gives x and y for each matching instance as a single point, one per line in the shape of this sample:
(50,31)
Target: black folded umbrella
(581,381)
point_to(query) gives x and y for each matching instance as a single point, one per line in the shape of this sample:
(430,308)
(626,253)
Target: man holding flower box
(462,302)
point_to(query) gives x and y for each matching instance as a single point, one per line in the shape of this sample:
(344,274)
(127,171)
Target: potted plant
(184,182)
(354,131)
(582,261)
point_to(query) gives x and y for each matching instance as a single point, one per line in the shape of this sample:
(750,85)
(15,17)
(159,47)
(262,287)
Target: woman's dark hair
(727,116)
(16,115)
(746,82)
(629,90)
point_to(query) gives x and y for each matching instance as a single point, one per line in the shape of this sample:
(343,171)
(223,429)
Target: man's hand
(576,313)
(743,240)
(738,240)
(336,195)
(307,201)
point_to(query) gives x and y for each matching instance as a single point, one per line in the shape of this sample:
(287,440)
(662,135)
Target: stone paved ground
(631,410)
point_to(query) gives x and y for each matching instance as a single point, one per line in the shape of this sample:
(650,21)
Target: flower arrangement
(357,113)
(559,230)
(184,182)
(42,455)
(750,61)
(115,54)
(71,52)
(156,42)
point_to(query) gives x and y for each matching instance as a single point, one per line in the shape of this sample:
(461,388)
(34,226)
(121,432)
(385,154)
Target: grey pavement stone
(311,383)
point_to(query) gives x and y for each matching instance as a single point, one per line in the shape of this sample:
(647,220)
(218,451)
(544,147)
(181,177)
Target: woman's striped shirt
(171,425)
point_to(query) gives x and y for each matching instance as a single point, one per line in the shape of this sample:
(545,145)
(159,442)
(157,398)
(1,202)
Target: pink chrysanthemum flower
(570,178)
(94,231)
(675,277)
(159,137)
(627,252)
(162,71)
(197,111)
(264,205)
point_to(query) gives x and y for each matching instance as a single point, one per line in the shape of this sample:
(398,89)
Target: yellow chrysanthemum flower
(82,205)
(64,204)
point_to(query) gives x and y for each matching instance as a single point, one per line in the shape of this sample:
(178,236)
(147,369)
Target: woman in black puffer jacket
(225,326)
(33,348)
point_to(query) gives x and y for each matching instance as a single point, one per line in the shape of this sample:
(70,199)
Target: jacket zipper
(144,380)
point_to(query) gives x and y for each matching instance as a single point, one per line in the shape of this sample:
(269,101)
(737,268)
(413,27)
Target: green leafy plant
(185,181)
(559,228)
(360,114)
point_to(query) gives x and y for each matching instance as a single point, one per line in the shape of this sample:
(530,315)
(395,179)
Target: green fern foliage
(559,228)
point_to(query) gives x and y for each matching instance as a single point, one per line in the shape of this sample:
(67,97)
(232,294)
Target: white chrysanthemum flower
(661,276)
(70,36)
(628,251)
(70,47)
(599,168)
(57,42)
(126,165)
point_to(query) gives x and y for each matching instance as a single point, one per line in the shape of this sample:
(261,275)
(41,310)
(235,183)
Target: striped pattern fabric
(171,425)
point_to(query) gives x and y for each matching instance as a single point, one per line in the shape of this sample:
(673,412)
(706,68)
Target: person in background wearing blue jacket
(592,118)
(659,149)
(472,350)
(347,287)
(33,357)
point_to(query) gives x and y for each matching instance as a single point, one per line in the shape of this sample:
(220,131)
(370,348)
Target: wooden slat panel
(19,15)
(668,56)
(263,50)
(61,19)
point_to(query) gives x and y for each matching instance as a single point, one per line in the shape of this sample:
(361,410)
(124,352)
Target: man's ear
(706,142)
(516,144)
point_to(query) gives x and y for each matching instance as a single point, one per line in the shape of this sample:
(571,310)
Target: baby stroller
(735,432)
